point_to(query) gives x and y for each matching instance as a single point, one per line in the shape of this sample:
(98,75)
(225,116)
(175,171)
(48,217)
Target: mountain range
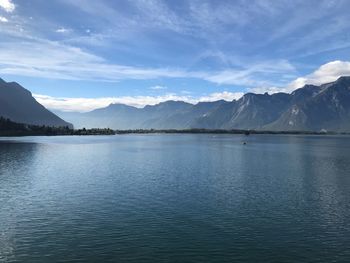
(18,105)
(310,108)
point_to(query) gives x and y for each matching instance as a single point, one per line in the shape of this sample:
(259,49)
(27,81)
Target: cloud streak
(158,87)
(54,60)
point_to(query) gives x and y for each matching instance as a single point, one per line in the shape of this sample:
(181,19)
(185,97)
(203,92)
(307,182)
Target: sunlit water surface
(175,198)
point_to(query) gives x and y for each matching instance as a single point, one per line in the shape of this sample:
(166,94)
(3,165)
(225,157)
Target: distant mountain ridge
(311,108)
(18,105)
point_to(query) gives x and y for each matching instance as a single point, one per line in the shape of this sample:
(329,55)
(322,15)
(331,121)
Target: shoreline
(223,131)
(109,132)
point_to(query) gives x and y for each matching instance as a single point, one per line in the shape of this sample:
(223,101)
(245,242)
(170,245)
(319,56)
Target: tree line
(10,128)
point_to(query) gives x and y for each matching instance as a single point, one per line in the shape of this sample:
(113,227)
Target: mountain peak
(210,102)
(343,80)
(116,105)
(172,102)
(2,81)
(306,89)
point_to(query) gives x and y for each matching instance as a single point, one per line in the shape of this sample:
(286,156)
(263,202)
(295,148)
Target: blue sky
(83,54)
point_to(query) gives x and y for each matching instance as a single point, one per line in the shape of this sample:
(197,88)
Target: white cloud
(158,87)
(326,73)
(225,95)
(88,104)
(7,5)
(269,90)
(3,19)
(62,30)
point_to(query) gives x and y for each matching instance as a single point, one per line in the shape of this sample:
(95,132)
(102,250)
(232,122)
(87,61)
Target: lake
(175,198)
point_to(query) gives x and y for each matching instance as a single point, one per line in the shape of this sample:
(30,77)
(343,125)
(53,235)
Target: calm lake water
(175,198)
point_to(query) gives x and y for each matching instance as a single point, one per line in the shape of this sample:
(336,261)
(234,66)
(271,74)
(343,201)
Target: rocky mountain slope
(311,108)
(18,105)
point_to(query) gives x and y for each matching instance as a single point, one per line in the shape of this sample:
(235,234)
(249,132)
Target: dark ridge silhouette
(18,104)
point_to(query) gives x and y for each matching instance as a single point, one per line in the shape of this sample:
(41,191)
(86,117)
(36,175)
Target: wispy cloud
(7,5)
(50,59)
(88,104)
(158,87)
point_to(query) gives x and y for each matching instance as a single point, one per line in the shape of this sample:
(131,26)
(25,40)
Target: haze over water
(175,198)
